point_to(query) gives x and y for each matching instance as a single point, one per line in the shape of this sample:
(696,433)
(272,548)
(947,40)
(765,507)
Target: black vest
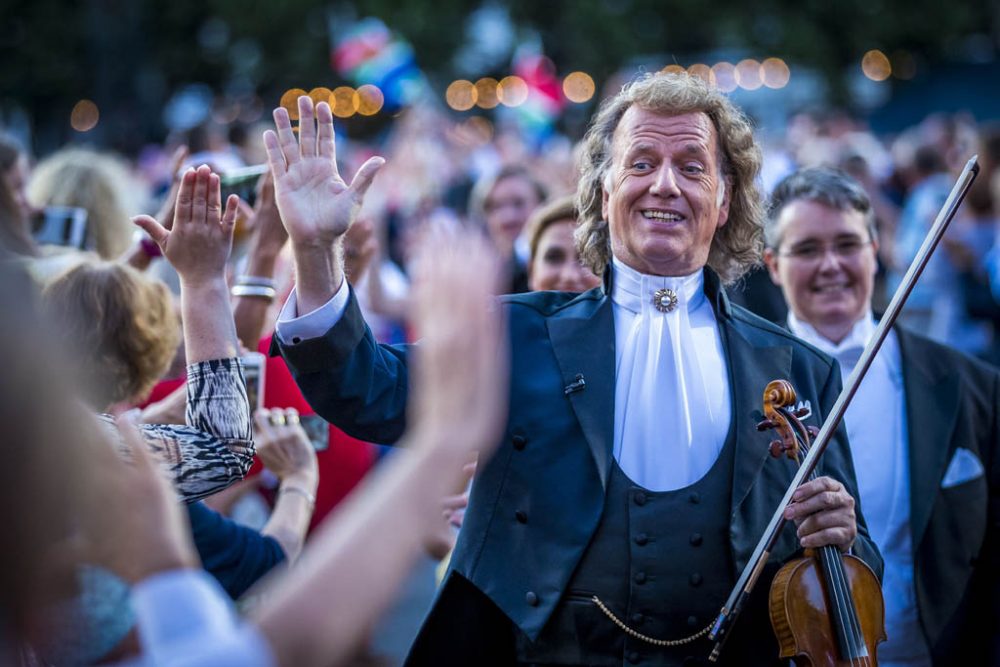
(660,561)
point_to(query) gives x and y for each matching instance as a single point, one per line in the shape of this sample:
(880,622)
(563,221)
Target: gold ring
(277,419)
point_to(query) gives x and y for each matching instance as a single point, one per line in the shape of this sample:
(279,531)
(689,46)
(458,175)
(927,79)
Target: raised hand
(201,238)
(461,372)
(316,204)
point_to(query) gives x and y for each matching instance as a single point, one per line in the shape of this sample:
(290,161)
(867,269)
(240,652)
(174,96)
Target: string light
(370,100)
(725,76)
(775,73)
(345,101)
(84,116)
(673,68)
(703,72)
(512,91)
(748,74)
(876,66)
(578,87)
(486,92)
(290,101)
(461,95)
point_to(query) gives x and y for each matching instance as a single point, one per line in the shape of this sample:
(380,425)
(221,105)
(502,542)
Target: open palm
(316,204)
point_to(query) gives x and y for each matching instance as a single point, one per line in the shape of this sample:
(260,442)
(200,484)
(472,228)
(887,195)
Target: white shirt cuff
(184,617)
(292,328)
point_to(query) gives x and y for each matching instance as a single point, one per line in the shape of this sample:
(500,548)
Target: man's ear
(724,206)
(771,261)
(604,201)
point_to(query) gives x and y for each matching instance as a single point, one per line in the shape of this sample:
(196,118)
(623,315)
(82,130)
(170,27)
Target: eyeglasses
(811,251)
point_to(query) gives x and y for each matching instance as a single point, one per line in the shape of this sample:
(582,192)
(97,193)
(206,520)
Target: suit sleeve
(351,380)
(838,463)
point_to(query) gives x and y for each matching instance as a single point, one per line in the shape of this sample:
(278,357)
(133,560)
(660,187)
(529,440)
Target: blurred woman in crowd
(504,202)
(555,264)
(15,229)
(97,182)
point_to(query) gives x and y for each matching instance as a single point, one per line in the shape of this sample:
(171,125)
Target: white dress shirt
(672,403)
(877,431)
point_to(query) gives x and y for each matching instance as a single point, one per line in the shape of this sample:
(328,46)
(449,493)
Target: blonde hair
(120,325)
(737,245)
(98,182)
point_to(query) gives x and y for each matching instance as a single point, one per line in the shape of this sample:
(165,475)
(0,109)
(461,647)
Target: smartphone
(318,430)
(254,364)
(242,182)
(61,225)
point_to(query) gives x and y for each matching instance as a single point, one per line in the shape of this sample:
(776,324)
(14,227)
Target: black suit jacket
(537,502)
(953,402)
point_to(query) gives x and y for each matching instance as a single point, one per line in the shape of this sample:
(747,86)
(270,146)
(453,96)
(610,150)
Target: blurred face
(16,180)
(507,208)
(825,264)
(662,198)
(555,264)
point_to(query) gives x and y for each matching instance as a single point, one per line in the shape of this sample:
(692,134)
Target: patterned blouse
(215,448)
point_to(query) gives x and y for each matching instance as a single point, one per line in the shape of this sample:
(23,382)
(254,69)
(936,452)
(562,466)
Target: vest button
(640,578)
(692,621)
(637,618)
(640,498)
(695,579)
(633,657)
(519,441)
(641,539)
(694,498)
(531,598)
(521,516)
(695,539)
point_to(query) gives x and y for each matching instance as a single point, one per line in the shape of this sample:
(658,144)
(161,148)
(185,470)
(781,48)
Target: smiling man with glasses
(922,427)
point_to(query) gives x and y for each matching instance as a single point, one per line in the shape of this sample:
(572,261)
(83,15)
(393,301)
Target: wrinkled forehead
(693,130)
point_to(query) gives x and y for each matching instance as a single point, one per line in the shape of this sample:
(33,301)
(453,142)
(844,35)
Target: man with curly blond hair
(631,486)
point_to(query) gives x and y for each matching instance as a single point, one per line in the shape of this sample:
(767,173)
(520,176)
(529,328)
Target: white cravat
(672,403)
(877,430)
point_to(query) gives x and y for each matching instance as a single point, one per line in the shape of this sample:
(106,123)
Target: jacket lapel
(751,368)
(931,407)
(584,345)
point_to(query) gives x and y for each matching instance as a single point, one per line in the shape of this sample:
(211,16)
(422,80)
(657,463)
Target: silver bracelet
(296,489)
(257,281)
(253,290)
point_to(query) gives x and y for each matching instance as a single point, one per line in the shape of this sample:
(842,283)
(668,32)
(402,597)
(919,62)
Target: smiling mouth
(666,216)
(828,289)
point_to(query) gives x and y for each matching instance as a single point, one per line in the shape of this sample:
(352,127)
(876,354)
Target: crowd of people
(596,325)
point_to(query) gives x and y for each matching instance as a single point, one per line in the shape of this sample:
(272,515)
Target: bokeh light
(290,100)
(876,66)
(703,72)
(370,100)
(725,76)
(461,95)
(748,74)
(84,116)
(512,91)
(673,68)
(775,73)
(320,94)
(486,92)
(345,102)
(578,87)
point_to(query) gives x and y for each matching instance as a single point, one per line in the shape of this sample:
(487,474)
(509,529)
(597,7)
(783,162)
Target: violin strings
(837,584)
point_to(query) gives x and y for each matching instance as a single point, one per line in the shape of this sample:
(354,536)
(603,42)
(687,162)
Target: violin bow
(724,621)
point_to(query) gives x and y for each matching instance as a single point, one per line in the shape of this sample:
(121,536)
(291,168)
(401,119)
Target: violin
(826,607)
